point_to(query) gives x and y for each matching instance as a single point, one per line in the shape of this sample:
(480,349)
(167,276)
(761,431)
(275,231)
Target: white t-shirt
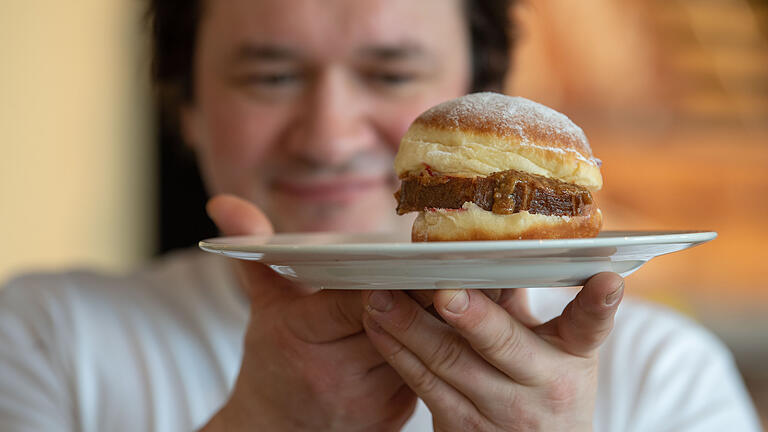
(159,350)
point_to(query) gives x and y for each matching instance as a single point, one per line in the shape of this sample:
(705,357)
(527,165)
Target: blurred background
(673,95)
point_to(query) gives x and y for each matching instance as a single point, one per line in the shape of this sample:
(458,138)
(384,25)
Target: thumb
(236,216)
(588,319)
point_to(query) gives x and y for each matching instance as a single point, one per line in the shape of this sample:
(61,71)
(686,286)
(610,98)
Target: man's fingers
(515,302)
(502,340)
(325,316)
(588,319)
(437,346)
(494,294)
(442,399)
(422,297)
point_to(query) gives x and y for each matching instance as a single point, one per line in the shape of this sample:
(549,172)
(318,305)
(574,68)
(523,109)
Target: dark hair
(174,26)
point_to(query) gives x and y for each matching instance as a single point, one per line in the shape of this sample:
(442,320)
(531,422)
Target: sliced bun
(473,223)
(483,133)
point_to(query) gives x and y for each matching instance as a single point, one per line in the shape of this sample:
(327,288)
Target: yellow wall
(75,155)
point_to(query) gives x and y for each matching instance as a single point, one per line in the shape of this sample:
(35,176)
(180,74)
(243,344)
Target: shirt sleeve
(34,394)
(705,394)
(671,374)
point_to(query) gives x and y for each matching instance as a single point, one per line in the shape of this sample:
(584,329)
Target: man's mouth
(336,189)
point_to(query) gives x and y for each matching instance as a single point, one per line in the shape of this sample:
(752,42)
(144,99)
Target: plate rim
(694,237)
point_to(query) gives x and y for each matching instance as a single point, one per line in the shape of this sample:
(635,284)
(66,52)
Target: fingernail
(381,300)
(615,295)
(458,302)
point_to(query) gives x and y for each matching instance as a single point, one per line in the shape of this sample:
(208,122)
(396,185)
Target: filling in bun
(503,193)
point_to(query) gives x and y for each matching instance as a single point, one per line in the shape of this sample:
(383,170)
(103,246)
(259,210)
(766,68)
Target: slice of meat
(433,191)
(503,192)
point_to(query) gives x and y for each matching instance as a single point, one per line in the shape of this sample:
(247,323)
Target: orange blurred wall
(682,131)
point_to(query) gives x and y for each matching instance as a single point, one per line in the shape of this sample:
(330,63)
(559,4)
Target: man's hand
(307,363)
(491,366)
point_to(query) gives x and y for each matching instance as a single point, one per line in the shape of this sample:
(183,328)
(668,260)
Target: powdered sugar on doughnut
(533,124)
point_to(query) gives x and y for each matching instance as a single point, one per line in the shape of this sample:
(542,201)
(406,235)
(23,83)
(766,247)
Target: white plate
(391,261)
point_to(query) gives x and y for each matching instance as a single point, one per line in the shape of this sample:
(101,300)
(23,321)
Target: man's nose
(333,125)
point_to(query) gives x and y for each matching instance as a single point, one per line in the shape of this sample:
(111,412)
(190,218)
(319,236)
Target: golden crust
(473,223)
(482,133)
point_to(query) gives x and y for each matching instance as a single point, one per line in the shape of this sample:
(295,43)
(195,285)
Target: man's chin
(320,225)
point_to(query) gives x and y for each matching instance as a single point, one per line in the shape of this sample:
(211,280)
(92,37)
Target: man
(298,106)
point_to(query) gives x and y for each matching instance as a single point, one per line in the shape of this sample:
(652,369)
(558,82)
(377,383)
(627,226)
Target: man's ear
(190,125)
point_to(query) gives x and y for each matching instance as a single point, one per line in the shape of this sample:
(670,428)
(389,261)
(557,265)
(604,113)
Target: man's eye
(272,79)
(392,79)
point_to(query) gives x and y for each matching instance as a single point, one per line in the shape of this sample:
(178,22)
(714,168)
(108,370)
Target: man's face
(300,104)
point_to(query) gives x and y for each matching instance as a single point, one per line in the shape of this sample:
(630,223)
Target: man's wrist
(234,417)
